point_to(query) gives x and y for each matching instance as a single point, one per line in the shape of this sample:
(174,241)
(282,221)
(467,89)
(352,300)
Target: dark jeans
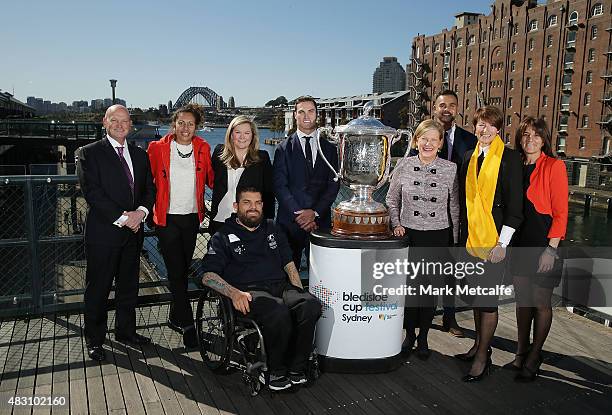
(177,242)
(287,316)
(105,263)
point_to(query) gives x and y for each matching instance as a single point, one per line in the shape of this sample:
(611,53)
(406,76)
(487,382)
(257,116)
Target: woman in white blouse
(239,163)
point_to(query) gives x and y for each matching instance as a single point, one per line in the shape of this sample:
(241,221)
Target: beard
(250,221)
(446,118)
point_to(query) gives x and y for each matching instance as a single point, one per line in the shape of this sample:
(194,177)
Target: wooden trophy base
(359,225)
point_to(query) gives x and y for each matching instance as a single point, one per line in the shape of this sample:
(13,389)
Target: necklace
(184,155)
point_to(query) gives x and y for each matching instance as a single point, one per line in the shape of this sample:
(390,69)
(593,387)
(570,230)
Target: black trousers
(177,242)
(105,263)
(299,242)
(287,316)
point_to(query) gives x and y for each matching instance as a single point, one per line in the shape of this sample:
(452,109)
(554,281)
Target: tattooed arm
(240,299)
(294,276)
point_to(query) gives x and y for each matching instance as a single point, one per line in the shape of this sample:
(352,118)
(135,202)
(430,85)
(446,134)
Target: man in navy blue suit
(456,142)
(304,185)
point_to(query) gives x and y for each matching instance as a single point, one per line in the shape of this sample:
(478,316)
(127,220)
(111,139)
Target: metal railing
(42,252)
(45,129)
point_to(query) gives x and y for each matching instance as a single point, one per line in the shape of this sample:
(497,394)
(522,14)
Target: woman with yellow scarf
(491,194)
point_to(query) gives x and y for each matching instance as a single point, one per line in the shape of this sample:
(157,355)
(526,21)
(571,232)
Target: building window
(469,71)
(548,61)
(458,59)
(511,83)
(581,142)
(471,40)
(533,25)
(589,77)
(546,80)
(545,101)
(427,50)
(587,99)
(585,121)
(549,41)
(448,45)
(467,87)
(484,37)
(510,102)
(435,76)
(597,10)
(528,82)
(593,32)
(513,66)
(513,47)
(436,61)
(508,119)
(567,80)
(552,20)
(457,73)
(606,145)
(591,56)
(459,42)
(497,52)
(573,18)
(467,103)
(456,88)
(516,29)
(469,55)
(446,59)
(529,63)
(571,38)
(482,69)
(526,102)
(481,87)
(531,43)
(437,47)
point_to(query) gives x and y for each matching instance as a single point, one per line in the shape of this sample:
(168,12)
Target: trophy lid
(366,124)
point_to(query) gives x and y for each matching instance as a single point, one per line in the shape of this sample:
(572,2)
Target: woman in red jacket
(535,265)
(181,166)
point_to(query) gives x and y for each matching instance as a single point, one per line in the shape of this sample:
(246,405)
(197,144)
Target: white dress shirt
(128,160)
(313,144)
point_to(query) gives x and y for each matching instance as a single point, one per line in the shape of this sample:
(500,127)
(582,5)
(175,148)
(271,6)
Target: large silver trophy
(364,146)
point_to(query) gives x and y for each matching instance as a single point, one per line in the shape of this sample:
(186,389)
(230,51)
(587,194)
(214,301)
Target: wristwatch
(503,245)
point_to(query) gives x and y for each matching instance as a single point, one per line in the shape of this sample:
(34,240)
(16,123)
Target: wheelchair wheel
(313,372)
(214,327)
(253,384)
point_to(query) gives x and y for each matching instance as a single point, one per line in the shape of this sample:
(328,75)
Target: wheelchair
(229,341)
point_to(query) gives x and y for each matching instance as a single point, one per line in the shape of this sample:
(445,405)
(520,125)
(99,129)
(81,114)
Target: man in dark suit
(304,185)
(116,180)
(456,142)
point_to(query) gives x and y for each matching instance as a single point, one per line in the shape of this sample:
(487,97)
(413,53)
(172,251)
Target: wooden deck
(46,357)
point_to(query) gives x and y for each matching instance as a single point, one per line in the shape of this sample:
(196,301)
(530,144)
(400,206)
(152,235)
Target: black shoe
(476,378)
(466,357)
(422,350)
(190,340)
(133,339)
(297,378)
(528,374)
(512,366)
(174,326)
(276,383)
(96,353)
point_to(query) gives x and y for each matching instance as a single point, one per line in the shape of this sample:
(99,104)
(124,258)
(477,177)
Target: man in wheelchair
(261,280)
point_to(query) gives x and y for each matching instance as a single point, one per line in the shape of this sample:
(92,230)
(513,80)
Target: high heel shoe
(511,366)
(466,357)
(528,374)
(475,378)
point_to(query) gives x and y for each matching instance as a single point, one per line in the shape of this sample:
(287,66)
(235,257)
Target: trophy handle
(399,134)
(329,132)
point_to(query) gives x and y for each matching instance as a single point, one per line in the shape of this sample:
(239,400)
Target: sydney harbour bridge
(200,95)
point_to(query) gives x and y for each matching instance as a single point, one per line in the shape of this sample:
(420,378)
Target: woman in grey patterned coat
(424,207)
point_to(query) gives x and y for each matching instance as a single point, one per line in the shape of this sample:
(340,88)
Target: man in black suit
(456,142)
(116,180)
(304,185)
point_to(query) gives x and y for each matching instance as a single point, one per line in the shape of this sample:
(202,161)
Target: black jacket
(107,191)
(508,200)
(258,175)
(462,141)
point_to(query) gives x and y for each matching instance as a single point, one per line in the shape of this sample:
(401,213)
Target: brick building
(552,60)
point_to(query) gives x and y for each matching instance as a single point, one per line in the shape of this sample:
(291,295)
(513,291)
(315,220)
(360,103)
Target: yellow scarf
(479,194)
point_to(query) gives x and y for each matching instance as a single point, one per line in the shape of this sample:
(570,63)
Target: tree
(278,102)
(278,123)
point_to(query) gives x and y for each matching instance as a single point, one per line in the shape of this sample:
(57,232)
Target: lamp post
(113,83)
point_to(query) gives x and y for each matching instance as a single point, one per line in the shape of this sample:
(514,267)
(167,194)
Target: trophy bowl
(364,146)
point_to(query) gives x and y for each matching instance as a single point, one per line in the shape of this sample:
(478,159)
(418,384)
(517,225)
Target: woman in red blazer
(180,162)
(535,265)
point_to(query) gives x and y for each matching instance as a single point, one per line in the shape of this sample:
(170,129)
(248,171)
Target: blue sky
(252,50)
